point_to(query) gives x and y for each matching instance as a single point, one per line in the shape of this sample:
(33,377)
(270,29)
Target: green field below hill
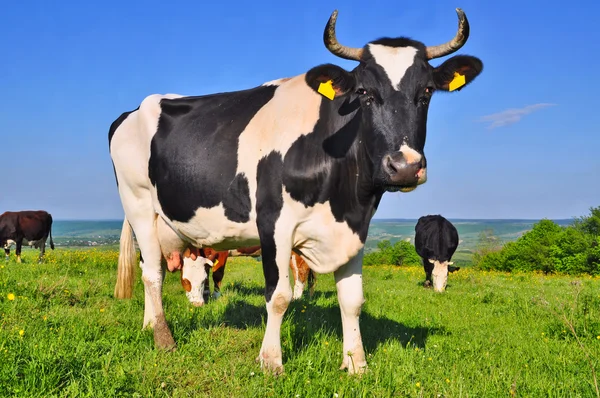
(491,334)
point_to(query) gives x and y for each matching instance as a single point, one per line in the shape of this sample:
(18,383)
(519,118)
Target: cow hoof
(427,284)
(270,364)
(353,368)
(163,339)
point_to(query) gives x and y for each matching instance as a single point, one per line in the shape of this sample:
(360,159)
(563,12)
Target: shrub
(400,253)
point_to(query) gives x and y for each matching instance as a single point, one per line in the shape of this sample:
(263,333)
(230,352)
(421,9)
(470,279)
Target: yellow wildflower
(10,296)
(21,332)
(101,309)
(418,384)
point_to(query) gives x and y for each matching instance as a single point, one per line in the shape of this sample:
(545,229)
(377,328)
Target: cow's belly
(211,228)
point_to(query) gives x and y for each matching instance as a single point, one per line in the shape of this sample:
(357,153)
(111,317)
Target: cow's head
(439,274)
(193,277)
(392,86)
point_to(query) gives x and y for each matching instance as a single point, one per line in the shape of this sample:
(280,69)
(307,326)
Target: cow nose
(402,172)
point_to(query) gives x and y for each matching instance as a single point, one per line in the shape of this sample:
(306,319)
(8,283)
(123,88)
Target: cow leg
(428,267)
(217,277)
(348,280)
(141,217)
(18,249)
(7,253)
(42,244)
(206,292)
(278,294)
(298,283)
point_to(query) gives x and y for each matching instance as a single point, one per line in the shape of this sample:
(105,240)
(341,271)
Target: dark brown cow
(300,269)
(33,225)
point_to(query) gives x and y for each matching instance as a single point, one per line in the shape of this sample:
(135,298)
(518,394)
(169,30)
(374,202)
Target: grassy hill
(491,334)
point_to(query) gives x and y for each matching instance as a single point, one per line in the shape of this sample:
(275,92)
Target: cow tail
(51,241)
(126,267)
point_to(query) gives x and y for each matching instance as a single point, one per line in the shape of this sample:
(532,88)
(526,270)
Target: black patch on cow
(435,238)
(269,202)
(193,155)
(237,201)
(330,164)
(111,132)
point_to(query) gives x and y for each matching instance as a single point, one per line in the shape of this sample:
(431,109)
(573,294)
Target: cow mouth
(399,188)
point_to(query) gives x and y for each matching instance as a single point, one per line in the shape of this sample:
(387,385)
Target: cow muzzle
(405,170)
(440,275)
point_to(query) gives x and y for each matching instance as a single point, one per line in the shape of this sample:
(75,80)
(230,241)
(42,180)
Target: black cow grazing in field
(298,163)
(436,240)
(33,225)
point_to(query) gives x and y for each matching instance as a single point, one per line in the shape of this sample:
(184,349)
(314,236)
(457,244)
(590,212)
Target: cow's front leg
(7,253)
(348,280)
(278,294)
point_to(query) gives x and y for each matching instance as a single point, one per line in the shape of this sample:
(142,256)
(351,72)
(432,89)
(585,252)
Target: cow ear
(457,72)
(187,285)
(330,80)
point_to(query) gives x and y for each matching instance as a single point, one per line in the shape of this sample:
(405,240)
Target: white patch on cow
(276,82)
(210,228)
(439,275)
(316,232)
(395,61)
(410,155)
(194,272)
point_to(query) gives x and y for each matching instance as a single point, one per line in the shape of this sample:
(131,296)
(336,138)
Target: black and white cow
(436,240)
(298,163)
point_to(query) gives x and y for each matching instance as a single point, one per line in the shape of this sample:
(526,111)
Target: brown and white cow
(301,272)
(35,226)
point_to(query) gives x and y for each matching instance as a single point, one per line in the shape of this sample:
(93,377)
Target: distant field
(98,233)
(489,335)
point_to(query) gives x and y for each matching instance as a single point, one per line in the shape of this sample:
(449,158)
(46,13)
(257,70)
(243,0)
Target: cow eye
(361,91)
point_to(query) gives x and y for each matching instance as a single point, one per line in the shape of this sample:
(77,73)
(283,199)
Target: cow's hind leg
(348,280)
(298,282)
(142,219)
(7,253)
(428,268)
(19,243)
(42,244)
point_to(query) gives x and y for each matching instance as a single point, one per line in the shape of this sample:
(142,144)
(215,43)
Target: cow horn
(453,45)
(334,46)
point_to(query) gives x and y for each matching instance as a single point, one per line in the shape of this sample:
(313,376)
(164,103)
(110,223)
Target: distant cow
(33,225)
(193,275)
(436,240)
(300,269)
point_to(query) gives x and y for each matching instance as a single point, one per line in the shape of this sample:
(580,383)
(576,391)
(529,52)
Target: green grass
(488,335)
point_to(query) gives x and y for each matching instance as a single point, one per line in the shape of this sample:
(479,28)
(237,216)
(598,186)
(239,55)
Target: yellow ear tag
(327,90)
(458,81)
(216,262)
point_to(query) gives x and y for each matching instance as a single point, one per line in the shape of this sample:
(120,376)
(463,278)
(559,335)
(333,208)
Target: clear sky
(521,142)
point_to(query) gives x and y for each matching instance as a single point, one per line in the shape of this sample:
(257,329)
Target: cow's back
(435,238)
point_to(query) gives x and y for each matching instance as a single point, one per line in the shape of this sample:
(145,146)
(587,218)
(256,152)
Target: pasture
(490,335)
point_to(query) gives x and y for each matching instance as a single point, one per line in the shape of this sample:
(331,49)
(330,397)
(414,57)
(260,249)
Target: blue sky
(521,142)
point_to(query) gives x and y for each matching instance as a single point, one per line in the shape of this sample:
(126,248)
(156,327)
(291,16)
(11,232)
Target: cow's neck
(350,188)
